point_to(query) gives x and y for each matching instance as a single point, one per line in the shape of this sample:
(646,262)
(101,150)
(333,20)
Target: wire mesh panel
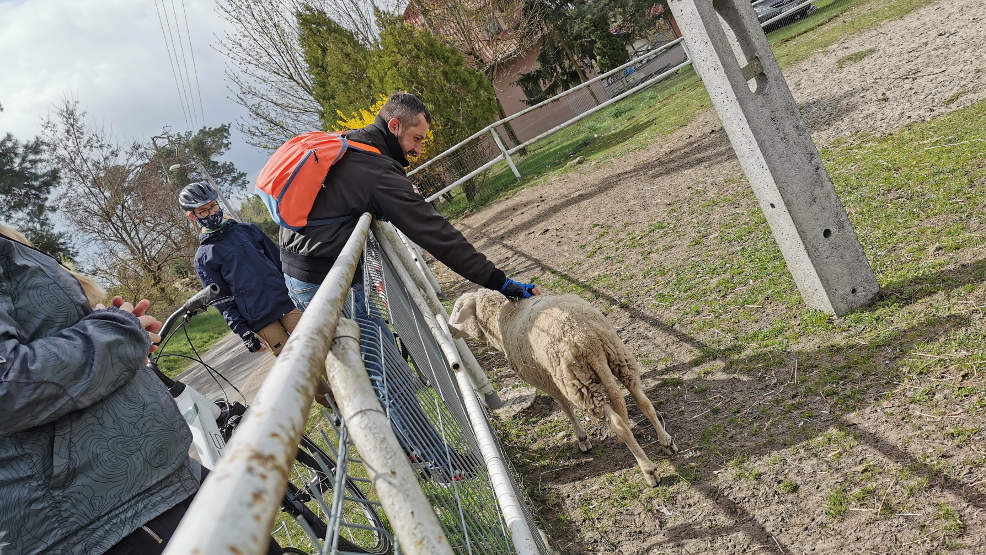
(450,168)
(419,393)
(330,505)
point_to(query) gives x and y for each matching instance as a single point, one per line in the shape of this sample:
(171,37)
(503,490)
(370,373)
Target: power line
(181,75)
(184,61)
(191,50)
(174,74)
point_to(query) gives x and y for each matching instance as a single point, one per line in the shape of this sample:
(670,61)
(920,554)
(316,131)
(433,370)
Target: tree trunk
(578,69)
(510,129)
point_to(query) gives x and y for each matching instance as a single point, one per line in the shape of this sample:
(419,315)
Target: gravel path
(916,68)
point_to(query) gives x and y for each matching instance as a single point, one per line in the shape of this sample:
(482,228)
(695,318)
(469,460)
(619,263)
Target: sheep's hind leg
(584,444)
(656,420)
(621,427)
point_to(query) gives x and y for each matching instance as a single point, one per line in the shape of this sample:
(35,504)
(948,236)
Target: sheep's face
(474,316)
(462,322)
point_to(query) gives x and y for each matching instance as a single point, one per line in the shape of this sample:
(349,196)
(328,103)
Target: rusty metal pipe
(408,510)
(419,259)
(234,510)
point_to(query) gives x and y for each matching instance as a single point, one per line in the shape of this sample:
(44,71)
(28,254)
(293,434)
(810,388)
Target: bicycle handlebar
(197,303)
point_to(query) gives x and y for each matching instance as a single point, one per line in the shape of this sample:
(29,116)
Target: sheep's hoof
(670,449)
(585,445)
(651,476)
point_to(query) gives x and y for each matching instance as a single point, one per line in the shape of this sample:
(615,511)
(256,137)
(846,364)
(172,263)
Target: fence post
(776,152)
(408,510)
(503,149)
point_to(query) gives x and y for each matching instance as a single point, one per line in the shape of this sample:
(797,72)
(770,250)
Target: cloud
(110,55)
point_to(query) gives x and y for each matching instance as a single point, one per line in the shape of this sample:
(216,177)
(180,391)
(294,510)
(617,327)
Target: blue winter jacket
(246,265)
(92,445)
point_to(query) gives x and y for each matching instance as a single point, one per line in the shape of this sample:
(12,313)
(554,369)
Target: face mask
(213,222)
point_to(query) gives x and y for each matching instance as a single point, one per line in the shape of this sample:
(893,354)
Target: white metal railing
(242,495)
(235,508)
(505,153)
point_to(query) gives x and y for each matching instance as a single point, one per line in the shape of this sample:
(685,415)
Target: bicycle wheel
(308,479)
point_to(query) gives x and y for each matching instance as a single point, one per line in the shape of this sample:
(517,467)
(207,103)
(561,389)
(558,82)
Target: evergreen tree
(580,35)
(25,187)
(338,64)
(461,99)
(566,48)
(195,152)
(350,76)
(609,49)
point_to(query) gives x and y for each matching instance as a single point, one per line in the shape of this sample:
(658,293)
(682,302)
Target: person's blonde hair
(94,293)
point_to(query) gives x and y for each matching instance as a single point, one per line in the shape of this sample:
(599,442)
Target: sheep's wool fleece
(561,343)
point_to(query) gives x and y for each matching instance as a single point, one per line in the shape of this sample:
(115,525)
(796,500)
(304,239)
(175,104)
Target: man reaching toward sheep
(364,181)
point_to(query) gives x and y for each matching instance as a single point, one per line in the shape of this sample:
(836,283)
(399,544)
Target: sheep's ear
(463,309)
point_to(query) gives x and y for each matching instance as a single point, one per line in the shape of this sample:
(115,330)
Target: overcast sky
(110,55)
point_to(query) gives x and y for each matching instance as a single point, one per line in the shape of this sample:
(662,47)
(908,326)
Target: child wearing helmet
(246,265)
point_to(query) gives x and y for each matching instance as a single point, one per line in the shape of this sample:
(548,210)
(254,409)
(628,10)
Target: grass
(853,58)
(638,120)
(915,199)
(837,503)
(203,330)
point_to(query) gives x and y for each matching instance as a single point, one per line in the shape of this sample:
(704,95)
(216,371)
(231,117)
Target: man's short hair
(405,107)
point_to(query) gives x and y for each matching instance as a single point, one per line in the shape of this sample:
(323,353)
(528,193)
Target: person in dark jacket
(368,182)
(246,266)
(94,449)
(361,182)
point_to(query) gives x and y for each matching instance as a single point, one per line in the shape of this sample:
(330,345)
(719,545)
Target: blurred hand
(150,324)
(253,344)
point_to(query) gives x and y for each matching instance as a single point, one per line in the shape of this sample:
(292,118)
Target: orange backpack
(294,174)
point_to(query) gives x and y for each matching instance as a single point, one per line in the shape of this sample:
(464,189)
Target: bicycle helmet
(195,195)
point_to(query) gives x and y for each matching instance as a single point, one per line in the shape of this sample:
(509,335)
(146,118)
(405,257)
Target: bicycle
(308,497)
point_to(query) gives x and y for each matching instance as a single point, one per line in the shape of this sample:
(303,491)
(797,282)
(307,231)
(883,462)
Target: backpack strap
(346,145)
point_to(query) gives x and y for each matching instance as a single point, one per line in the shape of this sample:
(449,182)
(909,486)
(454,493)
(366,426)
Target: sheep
(563,346)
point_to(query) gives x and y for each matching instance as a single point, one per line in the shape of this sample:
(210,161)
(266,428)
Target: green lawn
(204,330)
(638,120)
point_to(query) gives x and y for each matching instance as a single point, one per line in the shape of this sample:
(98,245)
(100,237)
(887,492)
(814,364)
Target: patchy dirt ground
(806,447)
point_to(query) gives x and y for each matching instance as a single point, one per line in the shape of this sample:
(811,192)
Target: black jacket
(376,183)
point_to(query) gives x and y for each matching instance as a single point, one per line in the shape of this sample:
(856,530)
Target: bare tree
(266,68)
(487,32)
(121,203)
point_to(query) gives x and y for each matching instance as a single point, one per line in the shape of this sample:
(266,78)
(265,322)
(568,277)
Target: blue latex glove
(515,290)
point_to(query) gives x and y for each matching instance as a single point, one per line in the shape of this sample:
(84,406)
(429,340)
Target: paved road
(244,369)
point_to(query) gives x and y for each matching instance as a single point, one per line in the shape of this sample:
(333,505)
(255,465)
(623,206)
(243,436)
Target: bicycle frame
(199,412)
(203,416)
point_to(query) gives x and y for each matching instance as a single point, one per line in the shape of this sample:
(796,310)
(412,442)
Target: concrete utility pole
(731,55)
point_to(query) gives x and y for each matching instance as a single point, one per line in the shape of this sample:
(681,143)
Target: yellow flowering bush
(365,116)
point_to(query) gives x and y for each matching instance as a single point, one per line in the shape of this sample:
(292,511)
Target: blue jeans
(395,388)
